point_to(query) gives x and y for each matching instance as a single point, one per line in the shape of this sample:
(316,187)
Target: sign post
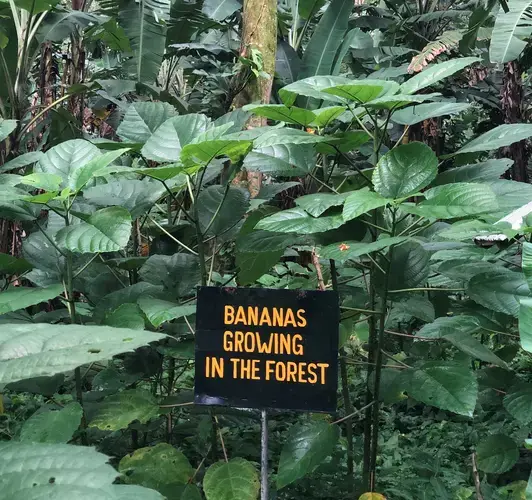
(262,348)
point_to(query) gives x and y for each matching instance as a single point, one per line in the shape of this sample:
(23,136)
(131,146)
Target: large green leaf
(143,23)
(410,264)
(397,101)
(178,273)
(203,152)
(449,325)
(474,348)
(526,262)
(159,311)
(361,202)
(317,203)
(282,113)
(53,426)
(518,402)
(504,45)
(362,91)
(352,249)
(6,127)
(498,137)
(489,170)
(218,10)
(168,140)
(237,478)
(107,230)
(21,161)
(142,119)
(160,467)
(321,50)
(305,447)
(525,324)
(15,298)
(33,471)
(435,73)
(11,265)
(282,159)
(221,208)
(125,316)
(446,385)
(34,350)
(455,200)
(405,170)
(497,454)
(119,410)
(313,86)
(296,220)
(67,160)
(499,290)
(91,168)
(421,112)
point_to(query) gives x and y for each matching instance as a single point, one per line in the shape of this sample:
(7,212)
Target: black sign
(261,348)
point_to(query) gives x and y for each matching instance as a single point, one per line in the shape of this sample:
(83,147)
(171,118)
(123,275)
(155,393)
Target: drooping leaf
(54,426)
(313,87)
(125,316)
(119,410)
(34,350)
(159,311)
(237,478)
(446,385)
(21,161)
(40,180)
(421,112)
(6,127)
(282,113)
(361,202)
(281,159)
(397,101)
(526,262)
(142,119)
(489,170)
(11,265)
(296,220)
(107,230)
(505,45)
(405,170)
(498,137)
(435,73)
(203,152)
(362,91)
(352,249)
(15,298)
(499,290)
(474,348)
(518,402)
(160,467)
(305,447)
(416,306)
(525,324)
(497,454)
(91,168)
(218,10)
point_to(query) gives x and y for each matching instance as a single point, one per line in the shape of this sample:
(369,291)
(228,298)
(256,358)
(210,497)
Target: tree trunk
(511,99)
(259,32)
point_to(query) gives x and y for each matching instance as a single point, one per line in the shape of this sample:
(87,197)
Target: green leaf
(39,180)
(326,39)
(489,170)
(304,448)
(498,137)
(324,116)
(435,73)
(178,273)
(125,316)
(142,119)
(497,454)
(160,467)
(499,290)
(91,168)
(421,112)
(352,249)
(526,262)
(218,10)
(6,127)
(504,45)
(518,402)
(399,100)
(107,230)
(296,220)
(416,306)
(282,113)
(362,91)
(34,350)
(237,478)
(285,160)
(525,324)
(361,202)
(317,203)
(455,200)
(405,170)
(54,426)
(284,135)
(308,8)
(159,311)
(204,152)
(22,161)
(446,385)
(168,140)
(67,160)
(119,410)
(313,86)
(11,265)
(410,263)
(221,208)
(35,7)
(15,298)
(474,348)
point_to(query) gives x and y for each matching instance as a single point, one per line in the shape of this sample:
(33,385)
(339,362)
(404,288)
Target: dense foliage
(392,166)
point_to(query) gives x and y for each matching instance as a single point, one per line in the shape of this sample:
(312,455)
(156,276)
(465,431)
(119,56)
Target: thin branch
(173,238)
(356,412)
